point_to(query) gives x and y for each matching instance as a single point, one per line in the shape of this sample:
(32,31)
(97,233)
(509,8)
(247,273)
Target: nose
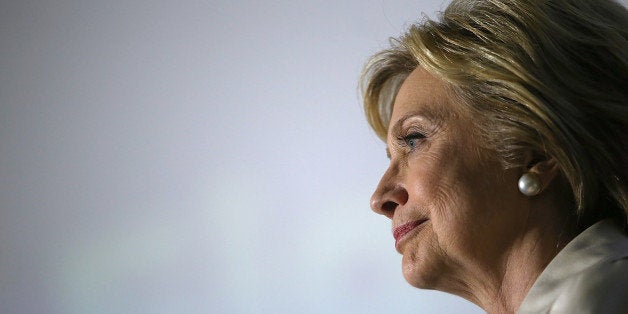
(389,194)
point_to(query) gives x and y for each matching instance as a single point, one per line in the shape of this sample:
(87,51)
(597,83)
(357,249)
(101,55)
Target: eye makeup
(411,130)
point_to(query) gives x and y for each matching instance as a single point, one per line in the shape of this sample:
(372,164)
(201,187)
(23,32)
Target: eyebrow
(428,115)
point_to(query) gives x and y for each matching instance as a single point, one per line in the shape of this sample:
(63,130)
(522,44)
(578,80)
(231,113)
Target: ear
(544,167)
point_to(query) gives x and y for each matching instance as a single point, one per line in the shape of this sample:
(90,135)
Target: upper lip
(401,230)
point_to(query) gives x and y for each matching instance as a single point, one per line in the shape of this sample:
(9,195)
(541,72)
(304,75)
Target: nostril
(388,208)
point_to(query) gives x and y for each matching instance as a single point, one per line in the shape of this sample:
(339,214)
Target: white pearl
(529,184)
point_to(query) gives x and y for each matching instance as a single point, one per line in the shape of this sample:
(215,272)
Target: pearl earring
(529,184)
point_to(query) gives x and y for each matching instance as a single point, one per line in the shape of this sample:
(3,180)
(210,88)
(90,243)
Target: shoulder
(590,275)
(601,288)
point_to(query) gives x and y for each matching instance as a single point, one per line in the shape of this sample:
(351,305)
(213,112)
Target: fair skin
(468,230)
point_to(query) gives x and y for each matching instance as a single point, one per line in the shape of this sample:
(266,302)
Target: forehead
(422,93)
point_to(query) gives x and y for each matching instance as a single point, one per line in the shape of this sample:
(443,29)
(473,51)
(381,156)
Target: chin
(418,275)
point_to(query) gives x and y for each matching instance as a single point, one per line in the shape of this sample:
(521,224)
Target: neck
(504,284)
(521,269)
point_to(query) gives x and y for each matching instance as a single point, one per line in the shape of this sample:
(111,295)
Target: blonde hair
(545,76)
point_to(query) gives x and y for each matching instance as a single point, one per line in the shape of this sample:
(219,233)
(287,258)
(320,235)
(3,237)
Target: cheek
(438,187)
(431,176)
(448,193)
(451,226)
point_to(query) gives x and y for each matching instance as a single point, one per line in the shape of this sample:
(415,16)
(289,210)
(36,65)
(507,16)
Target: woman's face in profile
(453,207)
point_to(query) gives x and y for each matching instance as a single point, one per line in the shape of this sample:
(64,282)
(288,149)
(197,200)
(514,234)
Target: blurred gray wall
(195,157)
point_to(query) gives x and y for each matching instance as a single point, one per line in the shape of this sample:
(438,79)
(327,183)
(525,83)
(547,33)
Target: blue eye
(413,140)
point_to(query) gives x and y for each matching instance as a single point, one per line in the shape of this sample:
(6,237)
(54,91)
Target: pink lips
(402,230)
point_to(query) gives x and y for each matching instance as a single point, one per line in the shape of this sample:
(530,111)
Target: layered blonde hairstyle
(543,76)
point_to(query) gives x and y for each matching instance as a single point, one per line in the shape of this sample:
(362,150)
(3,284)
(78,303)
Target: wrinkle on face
(451,179)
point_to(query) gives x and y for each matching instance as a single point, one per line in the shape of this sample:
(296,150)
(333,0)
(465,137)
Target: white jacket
(589,275)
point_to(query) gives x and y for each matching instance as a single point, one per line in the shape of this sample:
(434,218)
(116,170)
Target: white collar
(604,241)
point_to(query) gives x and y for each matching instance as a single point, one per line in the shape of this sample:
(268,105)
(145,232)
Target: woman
(505,124)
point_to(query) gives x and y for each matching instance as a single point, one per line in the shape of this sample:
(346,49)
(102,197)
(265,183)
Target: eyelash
(411,140)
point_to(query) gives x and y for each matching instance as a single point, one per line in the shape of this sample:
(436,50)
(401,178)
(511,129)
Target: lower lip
(404,230)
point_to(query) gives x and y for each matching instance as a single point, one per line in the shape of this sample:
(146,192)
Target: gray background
(195,157)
